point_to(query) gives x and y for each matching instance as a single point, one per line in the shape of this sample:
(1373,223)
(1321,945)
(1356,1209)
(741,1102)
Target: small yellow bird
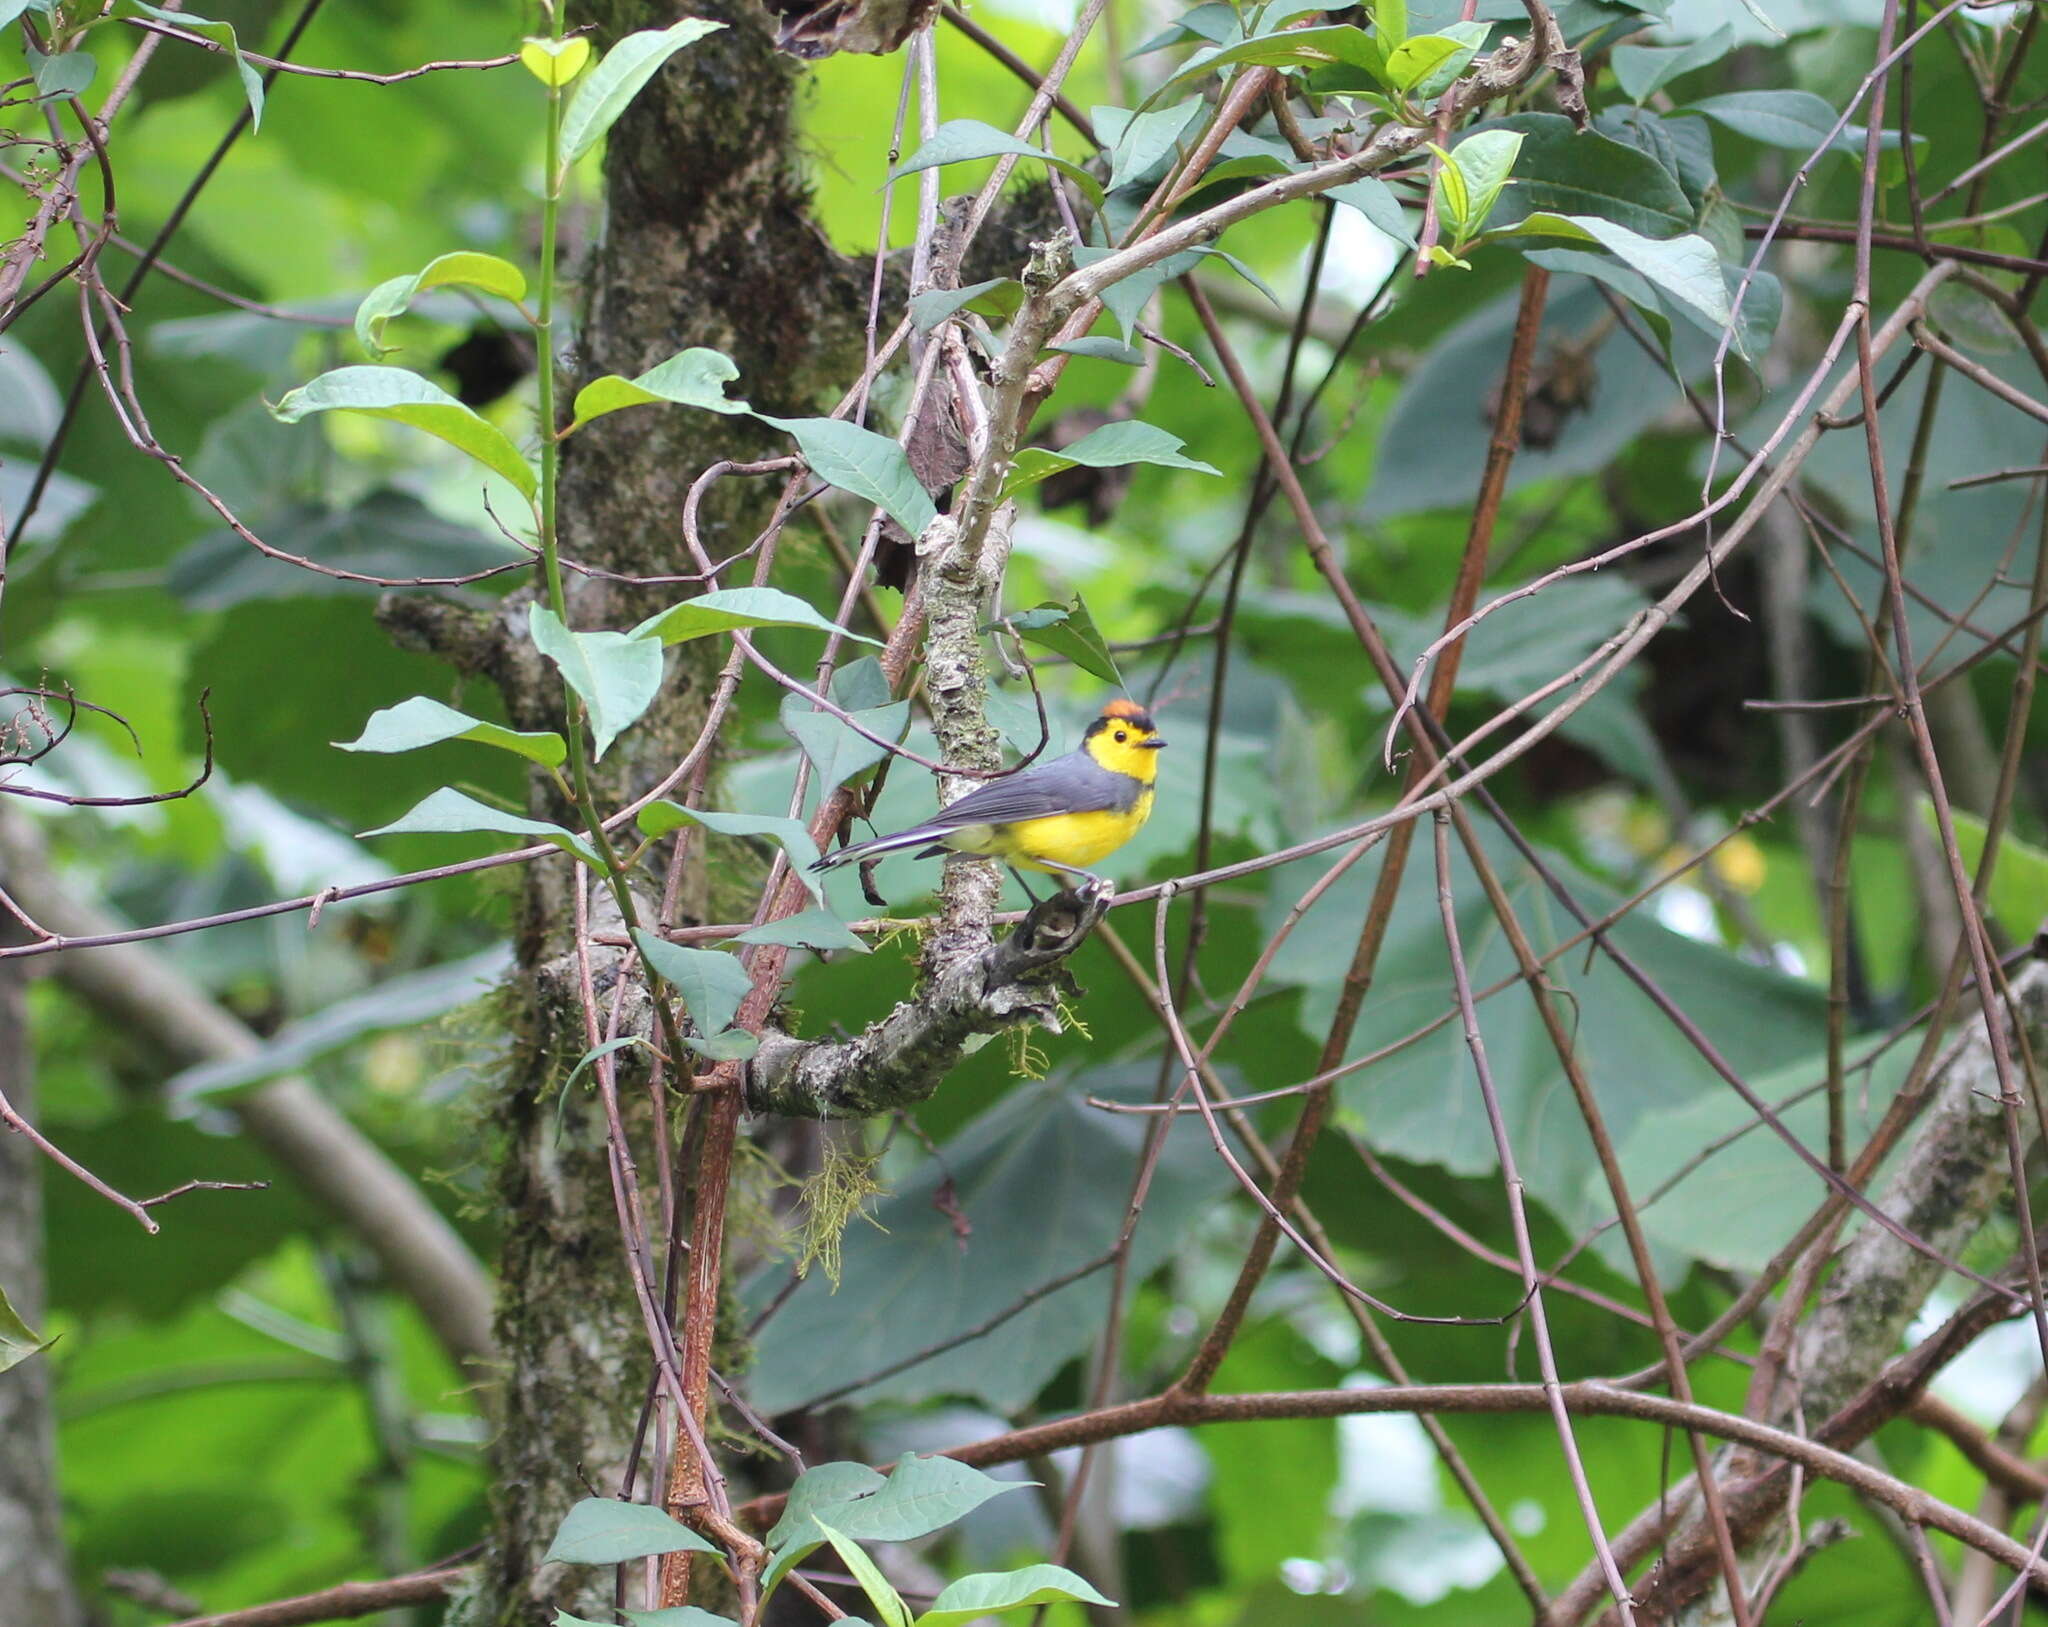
(1059,817)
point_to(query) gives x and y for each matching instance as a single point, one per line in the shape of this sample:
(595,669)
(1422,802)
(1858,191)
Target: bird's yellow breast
(1078,839)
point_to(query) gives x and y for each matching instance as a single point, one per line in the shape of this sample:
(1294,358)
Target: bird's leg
(1021,882)
(1091,881)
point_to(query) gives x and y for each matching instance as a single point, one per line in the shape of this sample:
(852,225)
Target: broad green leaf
(862,462)
(615,675)
(422,722)
(821,1489)
(1686,267)
(404,1001)
(68,73)
(485,272)
(1580,172)
(1327,46)
(1127,297)
(734,1045)
(971,1597)
(1110,447)
(1467,38)
(1485,160)
(886,1600)
(2019,881)
(711,982)
(1390,22)
(836,751)
(680,1615)
(1375,200)
(694,378)
(960,141)
(392,392)
(1414,60)
(730,608)
(791,835)
(222,34)
(18,1341)
(1147,139)
(614,82)
(921,1495)
(997,297)
(1070,631)
(555,62)
(1794,119)
(817,929)
(1039,1151)
(1646,69)
(1100,347)
(448,811)
(604,1531)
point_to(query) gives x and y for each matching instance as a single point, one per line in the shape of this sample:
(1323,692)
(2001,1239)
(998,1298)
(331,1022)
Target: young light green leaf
(1149,138)
(695,378)
(485,272)
(711,982)
(862,462)
(604,1531)
(1110,447)
(1390,22)
(1375,200)
(999,296)
(18,1341)
(448,811)
(1070,631)
(887,1601)
(1453,196)
(731,608)
(1485,161)
(1646,69)
(818,929)
(960,141)
(614,82)
(2019,881)
(555,62)
(222,34)
(422,722)
(971,1597)
(791,835)
(1414,60)
(615,675)
(392,392)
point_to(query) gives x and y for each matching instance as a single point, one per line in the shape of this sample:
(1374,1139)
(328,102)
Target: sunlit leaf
(611,86)
(423,722)
(484,272)
(392,392)
(449,811)
(615,675)
(730,608)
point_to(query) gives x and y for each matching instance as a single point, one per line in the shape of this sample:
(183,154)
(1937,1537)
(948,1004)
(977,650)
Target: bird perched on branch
(1058,817)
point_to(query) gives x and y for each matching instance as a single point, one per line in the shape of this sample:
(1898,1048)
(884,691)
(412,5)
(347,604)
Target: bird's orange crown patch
(1126,709)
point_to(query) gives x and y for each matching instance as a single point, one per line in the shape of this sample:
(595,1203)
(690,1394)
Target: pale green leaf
(448,811)
(484,272)
(604,1531)
(886,1600)
(960,141)
(1646,69)
(817,929)
(615,81)
(615,675)
(791,835)
(711,982)
(422,722)
(693,378)
(1110,447)
(392,392)
(222,34)
(730,608)
(969,1598)
(860,461)
(1148,139)
(18,1341)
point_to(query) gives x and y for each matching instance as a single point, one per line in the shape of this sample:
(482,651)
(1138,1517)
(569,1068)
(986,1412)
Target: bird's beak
(1154,744)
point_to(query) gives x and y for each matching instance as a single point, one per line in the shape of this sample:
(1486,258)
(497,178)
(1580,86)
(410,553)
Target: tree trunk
(705,241)
(35,1582)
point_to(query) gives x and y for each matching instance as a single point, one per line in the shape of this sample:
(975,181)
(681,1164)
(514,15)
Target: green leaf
(1414,60)
(1797,120)
(862,462)
(1468,38)
(731,608)
(818,929)
(555,62)
(1110,447)
(2019,883)
(1328,46)
(392,392)
(711,982)
(1485,161)
(18,1341)
(1100,347)
(1567,172)
(594,1054)
(680,1615)
(604,1531)
(1686,268)
(68,73)
(404,1001)
(448,811)
(734,1045)
(920,1496)
(422,722)
(462,270)
(1147,139)
(792,835)
(1375,200)
(694,378)
(1453,196)
(971,1597)
(1390,22)
(960,141)
(222,34)
(821,1489)
(614,82)
(1646,69)
(894,1612)
(616,675)
(836,751)
(1070,631)
(998,297)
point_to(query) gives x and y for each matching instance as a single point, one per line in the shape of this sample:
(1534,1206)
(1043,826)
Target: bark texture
(705,241)
(35,1581)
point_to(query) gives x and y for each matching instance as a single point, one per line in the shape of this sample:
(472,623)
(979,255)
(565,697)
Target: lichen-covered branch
(903,1058)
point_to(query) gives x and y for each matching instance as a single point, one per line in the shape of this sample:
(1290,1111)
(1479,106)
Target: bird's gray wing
(1075,783)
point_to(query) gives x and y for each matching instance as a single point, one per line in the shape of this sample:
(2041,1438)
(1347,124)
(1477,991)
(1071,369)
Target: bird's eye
(1121,736)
